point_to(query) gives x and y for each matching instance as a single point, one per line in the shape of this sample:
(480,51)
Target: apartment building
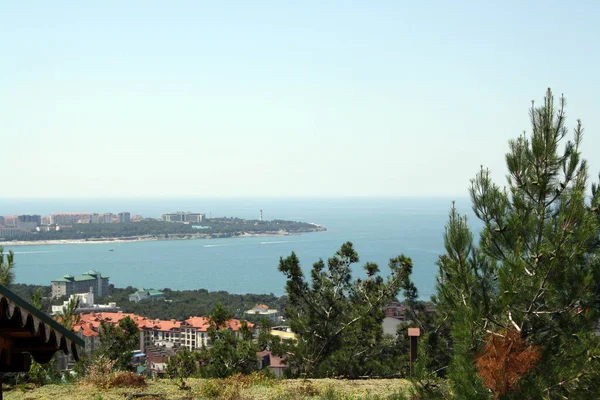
(183,217)
(69,218)
(6,232)
(124,217)
(194,331)
(90,281)
(29,222)
(11,221)
(191,333)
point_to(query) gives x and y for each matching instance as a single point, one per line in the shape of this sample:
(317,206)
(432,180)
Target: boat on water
(111,249)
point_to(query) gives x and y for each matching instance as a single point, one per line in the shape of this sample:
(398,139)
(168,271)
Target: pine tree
(535,275)
(230,353)
(117,342)
(338,320)
(182,365)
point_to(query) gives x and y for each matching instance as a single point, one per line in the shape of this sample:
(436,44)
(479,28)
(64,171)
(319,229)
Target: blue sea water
(379,228)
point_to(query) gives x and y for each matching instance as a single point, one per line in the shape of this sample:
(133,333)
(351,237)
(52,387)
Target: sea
(379,228)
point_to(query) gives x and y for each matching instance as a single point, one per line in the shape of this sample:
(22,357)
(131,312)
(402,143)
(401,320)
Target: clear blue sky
(271,98)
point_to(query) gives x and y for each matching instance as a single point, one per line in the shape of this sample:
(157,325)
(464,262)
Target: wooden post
(413,334)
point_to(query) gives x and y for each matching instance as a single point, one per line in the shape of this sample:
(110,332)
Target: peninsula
(151,229)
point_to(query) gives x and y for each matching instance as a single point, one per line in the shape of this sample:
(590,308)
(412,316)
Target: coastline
(145,239)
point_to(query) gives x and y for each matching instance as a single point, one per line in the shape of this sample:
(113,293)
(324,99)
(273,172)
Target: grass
(227,389)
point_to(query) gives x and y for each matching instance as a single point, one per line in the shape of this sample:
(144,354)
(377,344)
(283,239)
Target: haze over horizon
(148,99)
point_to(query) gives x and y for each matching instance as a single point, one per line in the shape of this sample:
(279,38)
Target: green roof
(85,277)
(150,292)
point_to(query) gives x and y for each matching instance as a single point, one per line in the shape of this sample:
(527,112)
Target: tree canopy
(117,342)
(530,286)
(337,319)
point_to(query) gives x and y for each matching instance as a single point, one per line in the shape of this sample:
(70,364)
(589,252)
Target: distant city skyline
(208,100)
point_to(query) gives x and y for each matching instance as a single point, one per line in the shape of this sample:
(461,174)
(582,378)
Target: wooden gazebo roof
(25,331)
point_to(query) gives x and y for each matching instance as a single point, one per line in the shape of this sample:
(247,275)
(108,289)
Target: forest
(179,304)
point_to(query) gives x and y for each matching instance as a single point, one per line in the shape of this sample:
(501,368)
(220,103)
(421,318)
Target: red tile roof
(159,325)
(87,329)
(202,324)
(90,323)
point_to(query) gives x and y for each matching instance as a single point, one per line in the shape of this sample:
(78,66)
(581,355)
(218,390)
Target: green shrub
(98,372)
(211,389)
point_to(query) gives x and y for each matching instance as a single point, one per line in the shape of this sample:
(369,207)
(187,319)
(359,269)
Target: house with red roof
(89,324)
(171,334)
(194,331)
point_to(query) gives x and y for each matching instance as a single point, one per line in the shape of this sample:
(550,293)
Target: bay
(379,229)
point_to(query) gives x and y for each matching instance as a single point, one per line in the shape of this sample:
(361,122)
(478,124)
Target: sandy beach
(76,241)
(137,239)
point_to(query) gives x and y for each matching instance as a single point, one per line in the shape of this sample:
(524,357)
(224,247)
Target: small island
(152,229)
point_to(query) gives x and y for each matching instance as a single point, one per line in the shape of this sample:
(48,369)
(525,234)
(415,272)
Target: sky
(276,99)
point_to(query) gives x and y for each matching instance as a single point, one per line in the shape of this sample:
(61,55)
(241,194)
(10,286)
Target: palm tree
(7,276)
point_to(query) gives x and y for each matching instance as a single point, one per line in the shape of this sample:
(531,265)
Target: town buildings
(263,311)
(194,331)
(85,304)
(159,339)
(181,216)
(12,226)
(37,219)
(69,218)
(124,217)
(76,218)
(191,334)
(88,327)
(11,221)
(6,232)
(49,228)
(29,222)
(146,294)
(90,281)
